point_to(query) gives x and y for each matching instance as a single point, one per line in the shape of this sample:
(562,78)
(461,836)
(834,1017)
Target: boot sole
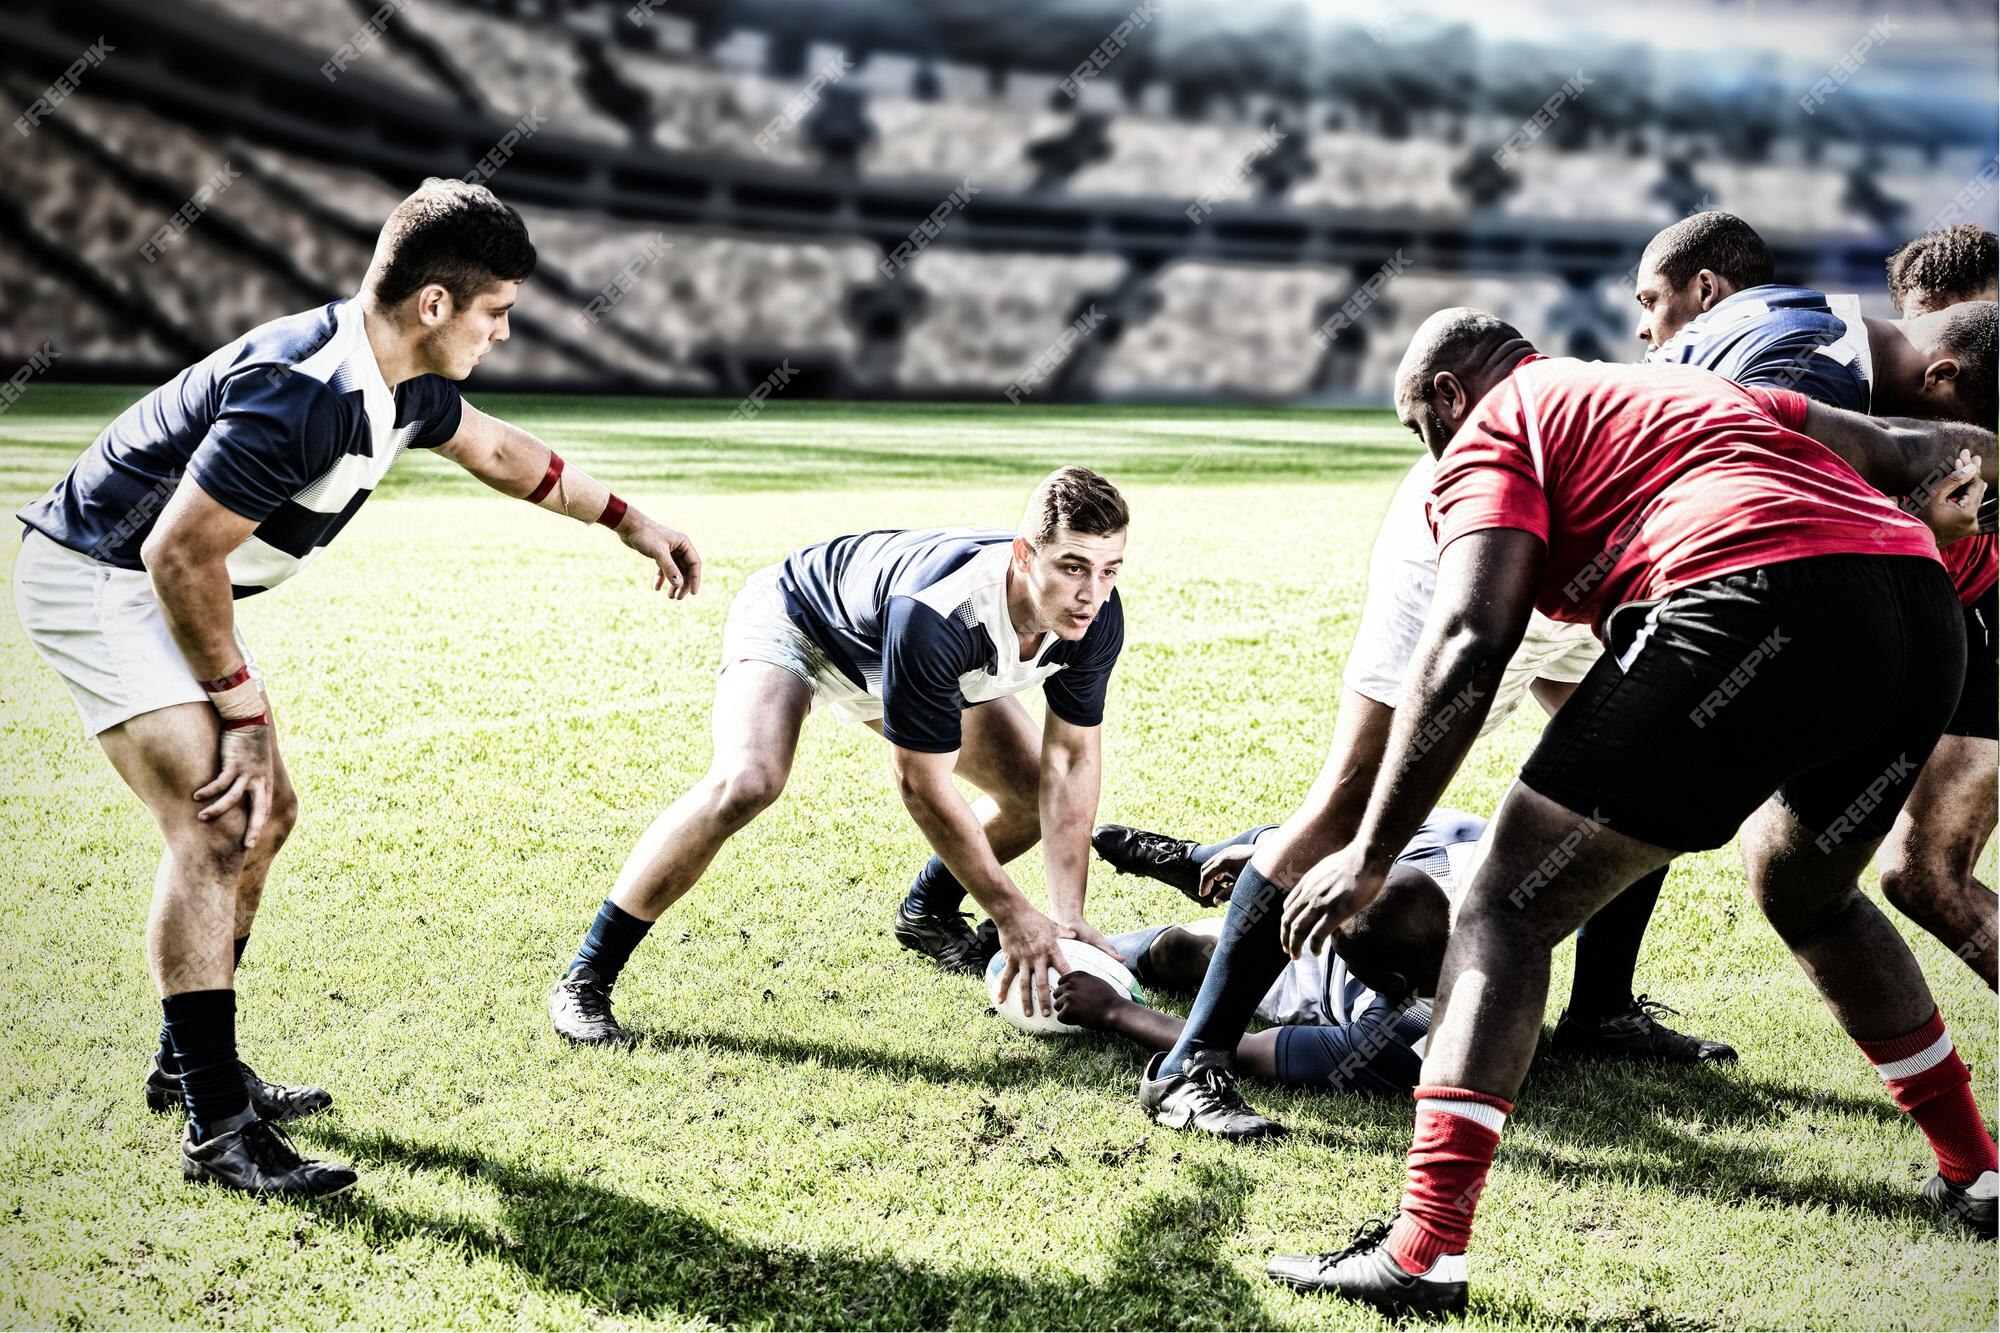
(1387,1305)
(197,1175)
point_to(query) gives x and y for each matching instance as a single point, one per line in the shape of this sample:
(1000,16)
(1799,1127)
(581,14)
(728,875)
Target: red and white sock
(1933,1086)
(1457,1132)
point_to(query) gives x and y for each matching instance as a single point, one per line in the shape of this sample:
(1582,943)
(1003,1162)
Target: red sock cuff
(1908,1045)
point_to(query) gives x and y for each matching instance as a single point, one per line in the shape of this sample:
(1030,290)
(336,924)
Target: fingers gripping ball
(1079,957)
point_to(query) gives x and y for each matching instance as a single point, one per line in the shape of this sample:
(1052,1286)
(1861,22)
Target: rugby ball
(1080,957)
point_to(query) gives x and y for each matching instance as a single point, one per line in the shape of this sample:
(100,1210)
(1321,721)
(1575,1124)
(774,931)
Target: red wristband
(241,723)
(549,479)
(228,682)
(614,512)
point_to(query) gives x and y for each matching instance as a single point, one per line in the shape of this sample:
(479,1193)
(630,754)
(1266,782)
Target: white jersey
(1402,582)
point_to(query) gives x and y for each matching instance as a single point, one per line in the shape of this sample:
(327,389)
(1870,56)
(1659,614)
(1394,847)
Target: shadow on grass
(898,1065)
(638,1260)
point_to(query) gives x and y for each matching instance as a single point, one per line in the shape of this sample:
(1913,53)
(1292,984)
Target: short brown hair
(1949,265)
(453,233)
(1076,499)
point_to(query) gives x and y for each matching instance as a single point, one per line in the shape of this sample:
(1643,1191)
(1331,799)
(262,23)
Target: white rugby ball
(1081,957)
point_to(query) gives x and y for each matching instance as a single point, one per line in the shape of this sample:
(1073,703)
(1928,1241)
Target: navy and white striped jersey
(1782,338)
(292,425)
(919,620)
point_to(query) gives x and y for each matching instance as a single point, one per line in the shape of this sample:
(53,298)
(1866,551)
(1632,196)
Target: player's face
(1664,309)
(1069,577)
(464,334)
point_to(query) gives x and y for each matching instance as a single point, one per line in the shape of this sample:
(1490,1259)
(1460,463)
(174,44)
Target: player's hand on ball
(1085,1000)
(1079,929)
(1331,893)
(248,760)
(1219,872)
(1029,940)
(672,551)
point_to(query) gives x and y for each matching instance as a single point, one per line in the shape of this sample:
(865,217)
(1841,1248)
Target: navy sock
(167,1064)
(935,891)
(202,1027)
(1201,854)
(1607,950)
(609,942)
(1248,958)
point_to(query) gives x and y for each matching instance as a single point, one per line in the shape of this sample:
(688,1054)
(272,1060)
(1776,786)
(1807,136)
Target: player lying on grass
(1945,267)
(1350,1016)
(1938,365)
(927,637)
(1745,561)
(225,482)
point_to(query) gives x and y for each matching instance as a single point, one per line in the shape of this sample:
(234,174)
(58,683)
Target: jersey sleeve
(1489,475)
(274,434)
(923,655)
(432,400)
(1076,693)
(1787,407)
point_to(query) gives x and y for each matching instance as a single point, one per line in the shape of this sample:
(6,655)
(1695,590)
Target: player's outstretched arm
(1905,457)
(954,832)
(514,462)
(1486,588)
(1072,769)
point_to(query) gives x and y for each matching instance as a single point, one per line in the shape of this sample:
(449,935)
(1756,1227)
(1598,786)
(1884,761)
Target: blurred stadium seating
(781,150)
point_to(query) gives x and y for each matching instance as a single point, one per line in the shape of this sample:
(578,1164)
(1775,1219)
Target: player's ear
(433,303)
(1941,374)
(1023,553)
(1707,289)
(1451,397)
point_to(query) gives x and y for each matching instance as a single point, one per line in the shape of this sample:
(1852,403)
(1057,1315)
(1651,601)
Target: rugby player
(1693,266)
(1941,365)
(1349,1016)
(926,636)
(1745,559)
(225,482)
(1945,267)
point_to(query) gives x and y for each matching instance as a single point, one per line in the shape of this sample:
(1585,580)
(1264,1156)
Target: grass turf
(484,705)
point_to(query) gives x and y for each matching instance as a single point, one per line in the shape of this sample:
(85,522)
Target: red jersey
(1973,566)
(1644,479)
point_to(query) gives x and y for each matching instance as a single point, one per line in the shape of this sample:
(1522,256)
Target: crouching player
(1350,1016)
(225,482)
(927,637)
(1735,531)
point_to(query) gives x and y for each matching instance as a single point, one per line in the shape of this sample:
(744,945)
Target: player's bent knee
(742,792)
(212,848)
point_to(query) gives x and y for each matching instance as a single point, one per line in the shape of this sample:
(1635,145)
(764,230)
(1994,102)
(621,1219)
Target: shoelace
(1219,1091)
(1645,1006)
(1158,848)
(592,1000)
(270,1148)
(1366,1237)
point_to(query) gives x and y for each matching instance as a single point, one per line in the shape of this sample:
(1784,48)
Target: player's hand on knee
(1329,895)
(1029,940)
(1219,872)
(247,759)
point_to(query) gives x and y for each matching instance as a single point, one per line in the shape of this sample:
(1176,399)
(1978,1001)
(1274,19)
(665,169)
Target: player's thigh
(1000,750)
(1792,868)
(1548,868)
(165,756)
(759,711)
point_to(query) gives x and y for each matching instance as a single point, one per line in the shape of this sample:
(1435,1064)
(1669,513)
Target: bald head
(1455,359)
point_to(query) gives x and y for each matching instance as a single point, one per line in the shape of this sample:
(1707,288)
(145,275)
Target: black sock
(202,1027)
(935,891)
(609,942)
(1201,854)
(166,1056)
(1607,950)
(1248,958)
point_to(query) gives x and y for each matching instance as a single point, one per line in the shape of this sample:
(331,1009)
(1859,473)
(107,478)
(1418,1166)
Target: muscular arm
(514,462)
(185,557)
(1071,773)
(1486,588)
(953,831)
(1900,456)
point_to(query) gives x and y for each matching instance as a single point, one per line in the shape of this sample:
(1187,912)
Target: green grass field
(485,705)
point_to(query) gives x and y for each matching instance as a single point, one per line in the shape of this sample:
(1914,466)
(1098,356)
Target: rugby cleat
(1970,1205)
(580,1008)
(1203,1097)
(1366,1272)
(273,1102)
(1134,851)
(947,939)
(1636,1034)
(257,1158)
